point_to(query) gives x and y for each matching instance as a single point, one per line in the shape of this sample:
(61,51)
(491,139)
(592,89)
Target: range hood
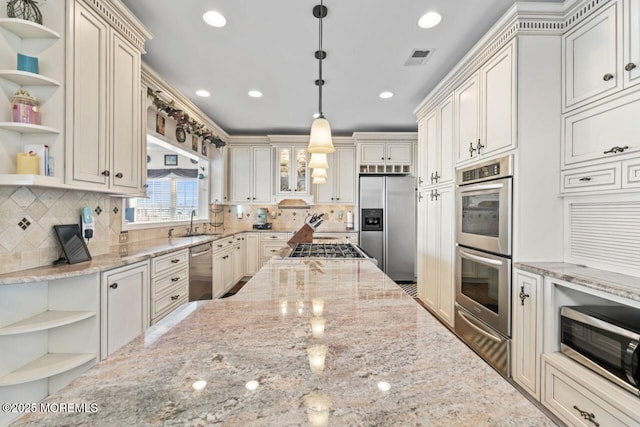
(293,204)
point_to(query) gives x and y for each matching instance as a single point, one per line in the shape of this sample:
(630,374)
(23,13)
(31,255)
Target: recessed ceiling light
(429,20)
(214,18)
(386,95)
(255,93)
(203,93)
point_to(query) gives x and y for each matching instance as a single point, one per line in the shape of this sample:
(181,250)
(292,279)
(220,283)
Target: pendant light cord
(321,54)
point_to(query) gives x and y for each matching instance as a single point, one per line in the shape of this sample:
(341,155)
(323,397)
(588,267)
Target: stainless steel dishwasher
(200,272)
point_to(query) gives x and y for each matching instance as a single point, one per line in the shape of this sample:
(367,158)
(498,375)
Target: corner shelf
(31,180)
(46,366)
(46,320)
(27,29)
(28,128)
(25,78)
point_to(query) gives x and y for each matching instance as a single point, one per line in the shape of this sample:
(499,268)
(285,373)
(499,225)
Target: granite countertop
(302,343)
(621,285)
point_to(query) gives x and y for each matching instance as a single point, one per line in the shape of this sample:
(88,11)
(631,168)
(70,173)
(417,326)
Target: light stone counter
(274,332)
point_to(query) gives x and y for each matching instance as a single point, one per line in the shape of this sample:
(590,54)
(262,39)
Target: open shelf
(27,128)
(25,78)
(46,366)
(27,29)
(31,180)
(46,320)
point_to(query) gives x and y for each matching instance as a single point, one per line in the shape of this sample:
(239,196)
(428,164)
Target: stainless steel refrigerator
(388,223)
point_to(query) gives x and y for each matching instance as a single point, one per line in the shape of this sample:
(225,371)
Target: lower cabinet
(222,278)
(169,283)
(238,259)
(124,303)
(270,245)
(251,253)
(526,331)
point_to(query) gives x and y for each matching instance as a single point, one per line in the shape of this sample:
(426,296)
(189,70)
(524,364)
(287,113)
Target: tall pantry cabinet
(103,98)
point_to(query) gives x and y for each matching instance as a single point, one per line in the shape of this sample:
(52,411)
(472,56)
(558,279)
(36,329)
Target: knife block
(304,235)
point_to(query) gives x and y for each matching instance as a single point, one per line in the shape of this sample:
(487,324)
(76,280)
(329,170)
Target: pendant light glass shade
(319,180)
(320,138)
(319,173)
(318,160)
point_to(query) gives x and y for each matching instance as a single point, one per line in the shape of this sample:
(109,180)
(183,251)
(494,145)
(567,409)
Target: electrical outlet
(124,250)
(124,237)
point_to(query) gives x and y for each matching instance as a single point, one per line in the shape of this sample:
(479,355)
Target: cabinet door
(261,175)
(526,329)
(218,175)
(238,263)
(326,193)
(252,253)
(345,175)
(372,154)
(466,119)
(217,278)
(591,59)
(421,169)
(421,257)
(125,121)
(446,253)
(89,156)
(240,164)
(432,252)
(498,102)
(399,153)
(631,58)
(300,185)
(126,301)
(446,144)
(431,134)
(228,269)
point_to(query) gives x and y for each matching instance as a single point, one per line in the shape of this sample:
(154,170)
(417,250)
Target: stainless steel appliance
(388,224)
(262,224)
(483,260)
(200,272)
(606,340)
(327,250)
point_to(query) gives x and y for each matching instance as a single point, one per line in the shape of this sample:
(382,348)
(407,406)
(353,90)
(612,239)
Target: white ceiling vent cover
(419,57)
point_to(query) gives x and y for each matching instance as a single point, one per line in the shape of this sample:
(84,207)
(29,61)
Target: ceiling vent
(419,57)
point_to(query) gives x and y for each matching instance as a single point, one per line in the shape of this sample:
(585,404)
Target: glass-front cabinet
(293,171)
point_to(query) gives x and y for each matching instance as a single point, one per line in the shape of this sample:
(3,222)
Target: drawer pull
(630,66)
(175,297)
(175,261)
(587,416)
(585,178)
(219,246)
(175,279)
(274,237)
(274,250)
(607,77)
(471,149)
(478,145)
(616,149)
(522,295)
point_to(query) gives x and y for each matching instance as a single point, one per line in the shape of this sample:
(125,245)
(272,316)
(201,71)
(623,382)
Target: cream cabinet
(340,187)
(169,283)
(526,331)
(270,244)
(124,306)
(105,145)
(238,258)
(250,174)
(218,175)
(439,128)
(385,157)
(436,250)
(485,108)
(252,253)
(292,171)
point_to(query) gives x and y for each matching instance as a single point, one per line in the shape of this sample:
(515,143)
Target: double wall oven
(483,259)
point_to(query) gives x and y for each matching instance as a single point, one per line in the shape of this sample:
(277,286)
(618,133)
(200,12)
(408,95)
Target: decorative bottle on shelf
(25,108)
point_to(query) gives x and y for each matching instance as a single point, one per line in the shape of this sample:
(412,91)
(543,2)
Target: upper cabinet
(436,145)
(292,171)
(250,174)
(340,187)
(105,144)
(390,153)
(485,108)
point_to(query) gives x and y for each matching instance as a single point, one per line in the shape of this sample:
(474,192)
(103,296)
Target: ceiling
(269,46)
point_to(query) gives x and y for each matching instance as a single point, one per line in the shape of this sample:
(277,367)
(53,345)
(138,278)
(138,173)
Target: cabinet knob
(337,198)
(119,175)
(388,158)
(175,261)
(471,149)
(607,77)
(522,295)
(146,186)
(175,297)
(630,66)
(114,286)
(106,173)
(381,158)
(332,198)
(616,149)
(175,279)
(254,198)
(219,246)
(248,198)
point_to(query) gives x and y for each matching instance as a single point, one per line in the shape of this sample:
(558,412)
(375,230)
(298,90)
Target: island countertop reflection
(304,342)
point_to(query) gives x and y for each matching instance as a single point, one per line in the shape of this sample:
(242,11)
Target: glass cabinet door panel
(301,170)
(285,169)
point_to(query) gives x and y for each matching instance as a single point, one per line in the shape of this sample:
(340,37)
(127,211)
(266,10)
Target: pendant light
(319,180)
(318,160)
(319,173)
(320,137)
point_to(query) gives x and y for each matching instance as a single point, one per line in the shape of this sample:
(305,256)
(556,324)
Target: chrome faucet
(190,231)
(170,232)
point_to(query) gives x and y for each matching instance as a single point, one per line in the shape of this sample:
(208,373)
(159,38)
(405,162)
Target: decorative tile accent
(116,210)
(24,223)
(98,210)
(23,197)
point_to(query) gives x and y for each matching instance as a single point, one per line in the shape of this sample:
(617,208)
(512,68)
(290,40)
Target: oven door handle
(467,319)
(481,259)
(481,187)
(632,349)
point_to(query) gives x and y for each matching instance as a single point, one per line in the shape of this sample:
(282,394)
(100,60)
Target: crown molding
(123,20)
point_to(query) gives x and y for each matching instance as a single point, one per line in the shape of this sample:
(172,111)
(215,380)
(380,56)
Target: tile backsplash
(27,217)
(334,219)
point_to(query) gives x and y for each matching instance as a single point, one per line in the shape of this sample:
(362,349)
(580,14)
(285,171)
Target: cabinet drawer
(168,301)
(161,284)
(165,263)
(577,405)
(269,237)
(631,173)
(268,250)
(604,177)
(221,244)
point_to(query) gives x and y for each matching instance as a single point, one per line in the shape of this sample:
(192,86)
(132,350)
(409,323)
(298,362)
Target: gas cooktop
(325,250)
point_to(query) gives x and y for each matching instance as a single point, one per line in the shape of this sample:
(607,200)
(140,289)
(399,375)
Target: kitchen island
(304,342)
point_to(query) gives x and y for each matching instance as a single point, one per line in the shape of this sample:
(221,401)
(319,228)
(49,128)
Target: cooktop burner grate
(325,250)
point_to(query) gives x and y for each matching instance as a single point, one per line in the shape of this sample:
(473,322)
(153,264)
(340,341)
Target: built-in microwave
(604,339)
